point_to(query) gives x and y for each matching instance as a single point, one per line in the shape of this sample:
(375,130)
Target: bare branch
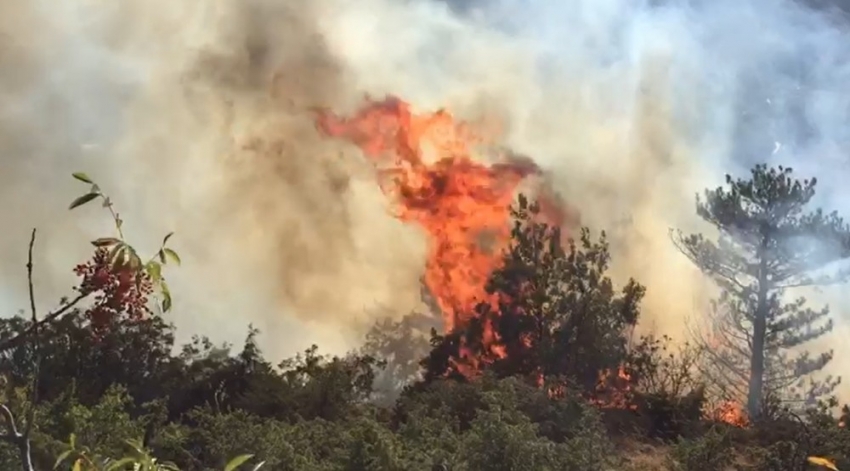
(11,426)
(14,437)
(29,278)
(30,415)
(16,340)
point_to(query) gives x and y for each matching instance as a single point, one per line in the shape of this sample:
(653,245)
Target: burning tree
(767,245)
(556,314)
(512,299)
(424,163)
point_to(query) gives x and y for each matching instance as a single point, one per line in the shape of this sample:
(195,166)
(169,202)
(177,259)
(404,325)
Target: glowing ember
(729,412)
(462,204)
(614,390)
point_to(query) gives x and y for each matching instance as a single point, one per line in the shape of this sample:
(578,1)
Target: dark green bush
(710,452)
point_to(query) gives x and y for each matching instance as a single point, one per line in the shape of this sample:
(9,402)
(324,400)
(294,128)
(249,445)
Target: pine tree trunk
(756,385)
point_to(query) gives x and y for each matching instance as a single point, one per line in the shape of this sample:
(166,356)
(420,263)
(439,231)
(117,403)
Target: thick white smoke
(195,116)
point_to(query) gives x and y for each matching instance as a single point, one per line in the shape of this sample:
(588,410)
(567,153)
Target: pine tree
(768,245)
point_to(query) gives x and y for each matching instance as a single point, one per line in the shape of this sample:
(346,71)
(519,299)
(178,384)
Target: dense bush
(710,452)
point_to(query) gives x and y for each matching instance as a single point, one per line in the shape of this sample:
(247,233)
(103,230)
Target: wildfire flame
(730,412)
(614,390)
(462,204)
(822,462)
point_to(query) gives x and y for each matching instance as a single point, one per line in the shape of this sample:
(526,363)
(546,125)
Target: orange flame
(462,204)
(729,412)
(614,390)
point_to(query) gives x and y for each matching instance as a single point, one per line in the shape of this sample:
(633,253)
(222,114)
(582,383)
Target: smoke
(196,117)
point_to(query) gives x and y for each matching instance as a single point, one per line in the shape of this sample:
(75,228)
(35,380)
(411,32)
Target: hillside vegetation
(547,373)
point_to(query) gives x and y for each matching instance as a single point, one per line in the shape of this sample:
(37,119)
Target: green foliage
(589,445)
(104,428)
(495,417)
(782,456)
(710,452)
(81,458)
(220,436)
(669,398)
(519,428)
(788,440)
(505,440)
(372,447)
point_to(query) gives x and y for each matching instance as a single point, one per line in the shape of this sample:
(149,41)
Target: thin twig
(30,415)
(12,435)
(29,278)
(115,216)
(50,317)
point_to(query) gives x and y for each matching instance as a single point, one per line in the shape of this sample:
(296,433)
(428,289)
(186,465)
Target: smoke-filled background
(195,116)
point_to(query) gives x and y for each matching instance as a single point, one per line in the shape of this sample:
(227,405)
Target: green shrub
(711,452)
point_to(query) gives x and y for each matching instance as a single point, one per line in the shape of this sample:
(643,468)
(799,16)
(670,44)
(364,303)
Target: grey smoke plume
(195,116)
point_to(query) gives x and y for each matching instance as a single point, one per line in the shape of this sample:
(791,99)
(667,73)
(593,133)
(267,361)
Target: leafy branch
(122,258)
(122,255)
(139,459)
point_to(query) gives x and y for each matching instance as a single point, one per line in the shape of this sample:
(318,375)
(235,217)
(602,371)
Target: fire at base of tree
(526,361)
